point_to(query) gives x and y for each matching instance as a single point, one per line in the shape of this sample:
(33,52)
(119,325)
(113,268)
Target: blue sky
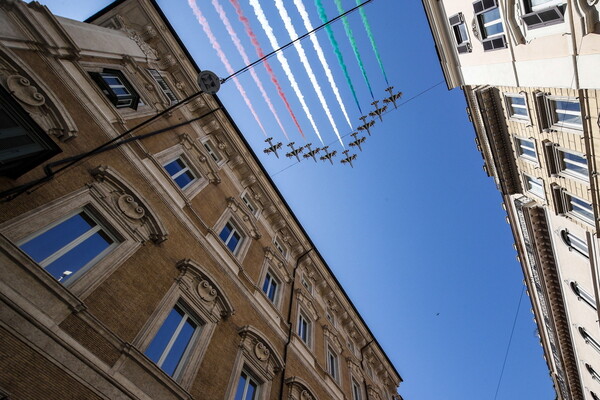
(416,228)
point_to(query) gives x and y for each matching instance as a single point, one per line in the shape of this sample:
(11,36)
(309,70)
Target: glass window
(230,236)
(461,33)
(526,149)
(164,87)
(247,387)
(534,186)
(356,392)
(517,107)
(304,328)
(116,87)
(281,248)
(307,285)
(69,246)
(210,149)
(332,363)
(573,164)
(592,372)
(270,287)
(246,199)
(583,295)
(180,172)
(575,243)
(594,396)
(491,23)
(588,339)
(566,114)
(580,208)
(172,342)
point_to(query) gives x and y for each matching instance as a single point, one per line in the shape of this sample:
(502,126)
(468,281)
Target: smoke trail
(363,16)
(283,61)
(287,21)
(319,50)
(223,57)
(336,49)
(240,49)
(261,54)
(350,35)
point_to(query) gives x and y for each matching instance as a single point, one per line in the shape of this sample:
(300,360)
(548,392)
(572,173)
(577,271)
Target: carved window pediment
(205,164)
(259,352)
(244,217)
(204,290)
(137,216)
(298,389)
(275,259)
(307,304)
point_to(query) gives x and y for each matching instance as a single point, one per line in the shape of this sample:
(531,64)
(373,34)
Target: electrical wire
(512,331)
(385,113)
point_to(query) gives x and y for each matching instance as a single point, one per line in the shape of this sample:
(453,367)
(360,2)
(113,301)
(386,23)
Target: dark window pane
(49,242)
(178,350)
(184,179)
(164,335)
(82,254)
(266,284)
(241,386)
(226,232)
(251,390)
(175,166)
(233,242)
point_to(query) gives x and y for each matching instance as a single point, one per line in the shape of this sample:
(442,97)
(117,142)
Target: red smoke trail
(261,53)
(223,57)
(240,49)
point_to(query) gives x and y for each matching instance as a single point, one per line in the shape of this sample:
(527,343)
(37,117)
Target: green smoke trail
(365,21)
(336,49)
(350,35)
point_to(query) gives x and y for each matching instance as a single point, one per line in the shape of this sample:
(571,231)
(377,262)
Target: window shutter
(542,111)
(538,19)
(552,161)
(494,43)
(464,48)
(456,19)
(558,199)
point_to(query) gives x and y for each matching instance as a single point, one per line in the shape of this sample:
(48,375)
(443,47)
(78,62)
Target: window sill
(334,385)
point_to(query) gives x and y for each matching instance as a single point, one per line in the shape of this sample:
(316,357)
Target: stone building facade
(159,262)
(529,72)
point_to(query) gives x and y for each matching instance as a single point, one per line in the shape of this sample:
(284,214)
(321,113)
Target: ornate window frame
(179,151)
(120,209)
(298,389)
(243,220)
(201,295)
(258,357)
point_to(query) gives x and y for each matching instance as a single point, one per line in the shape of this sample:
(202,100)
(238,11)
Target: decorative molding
(298,389)
(260,352)
(140,219)
(244,216)
(274,259)
(206,165)
(21,88)
(307,304)
(201,287)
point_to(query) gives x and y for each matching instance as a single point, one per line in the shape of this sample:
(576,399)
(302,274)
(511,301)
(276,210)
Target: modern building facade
(158,262)
(529,72)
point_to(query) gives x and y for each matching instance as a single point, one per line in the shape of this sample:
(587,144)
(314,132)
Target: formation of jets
(307,151)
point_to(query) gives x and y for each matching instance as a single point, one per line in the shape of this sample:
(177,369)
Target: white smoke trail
(215,44)
(287,21)
(260,15)
(240,49)
(321,55)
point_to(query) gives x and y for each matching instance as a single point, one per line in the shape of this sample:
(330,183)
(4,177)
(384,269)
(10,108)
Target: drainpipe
(362,349)
(575,52)
(289,320)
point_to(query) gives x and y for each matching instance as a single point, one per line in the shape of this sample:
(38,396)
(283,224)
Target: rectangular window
(461,35)
(280,248)
(490,24)
(332,364)
(526,149)
(230,236)
(171,345)
(212,152)
(69,246)
(164,87)
(307,285)
(247,387)
(534,186)
(574,165)
(23,144)
(558,113)
(580,208)
(517,107)
(356,392)
(540,13)
(249,204)
(270,287)
(117,88)
(304,328)
(180,172)
(575,243)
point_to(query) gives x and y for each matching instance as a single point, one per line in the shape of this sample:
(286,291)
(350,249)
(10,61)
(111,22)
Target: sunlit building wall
(528,70)
(168,267)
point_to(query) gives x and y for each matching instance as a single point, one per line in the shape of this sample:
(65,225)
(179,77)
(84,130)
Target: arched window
(594,396)
(583,295)
(588,339)
(592,372)
(575,243)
